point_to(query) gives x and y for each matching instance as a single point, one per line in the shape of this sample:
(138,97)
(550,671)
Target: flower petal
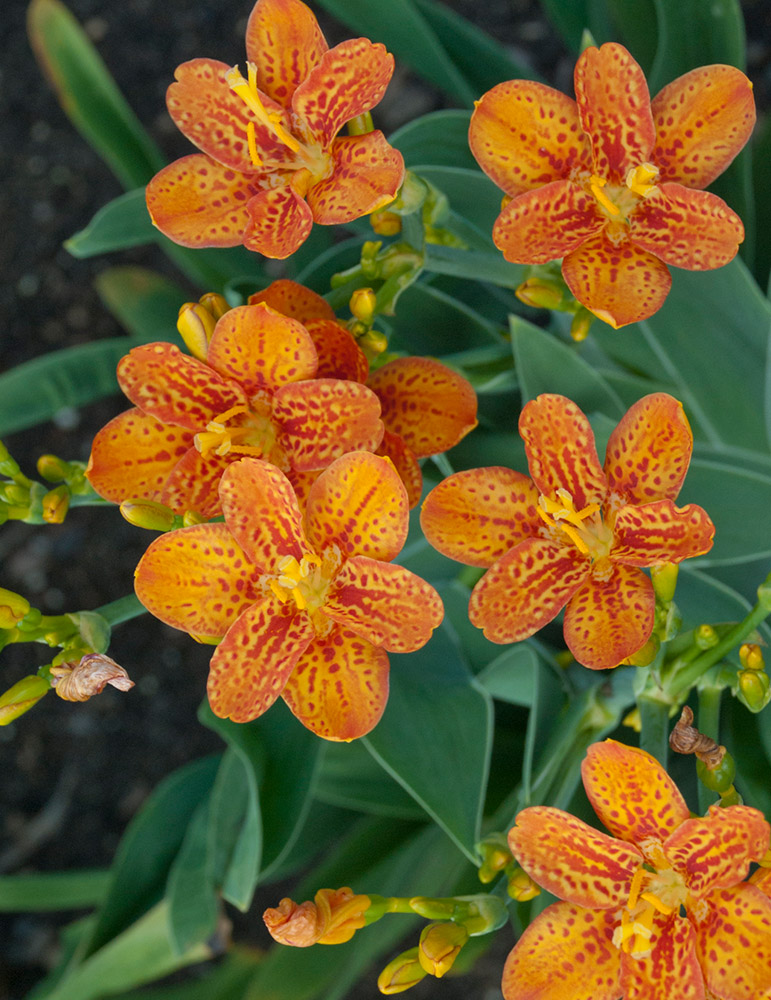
(546,224)
(660,532)
(733,942)
(702,121)
(324,418)
(561,454)
(196,579)
(478,515)
(133,454)
(649,450)
(572,861)
(684,228)
(631,793)
(279,222)
(619,284)
(385,604)
(614,108)
(566,951)
(256,658)
(261,349)
(193,483)
(366,174)
(294,300)
(525,589)
(261,511)
(339,687)
(715,851)
(406,464)
(349,79)
(215,119)
(284,41)
(671,970)
(197,202)
(425,403)
(608,620)
(524,135)
(359,505)
(339,354)
(175,388)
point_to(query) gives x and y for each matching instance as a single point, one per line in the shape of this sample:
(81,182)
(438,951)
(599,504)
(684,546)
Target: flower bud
(196,325)
(705,637)
(541,293)
(633,720)
(53,468)
(522,887)
(215,304)
(332,918)
(495,856)
(385,223)
(81,681)
(646,654)
(21,697)
(664,579)
(440,945)
(751,656)
(581,324)
(362,305)
(754,689)
(404,972)
(372,343)
(13,607)
(56,503)
(148,514)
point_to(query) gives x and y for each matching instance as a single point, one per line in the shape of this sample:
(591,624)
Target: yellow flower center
(248,430)
(306,583)
(585,528)
(650,893)
(618,201)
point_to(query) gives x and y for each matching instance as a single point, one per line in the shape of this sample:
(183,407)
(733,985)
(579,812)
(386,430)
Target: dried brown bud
(685,738)
(80,681)
(332,918)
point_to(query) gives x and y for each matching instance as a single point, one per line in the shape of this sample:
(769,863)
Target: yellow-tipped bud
(361,124)
(581,324)
(192,517)
(495,856)
(633,720)
(754,686)
(646,654)
(362,305)
(56,503)
(148,514)
(21,697)
(541,293)
(705,637)
(373,343)
(440,945)
(13,607)
(53,468)
(196,325)
(664,579)
(404,972)
(385,223)
(215,303)
(751,656)
(522,887)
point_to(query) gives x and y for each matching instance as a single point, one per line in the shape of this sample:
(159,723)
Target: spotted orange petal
(478,515)
(406,464)
(196,579)
(294,300)
(193,483)
(671,970)
(425,402)
(619,284)
(524,135)
(256,658)
(571,860)
(284,41)
(261,511)
(733,942)
(215,119)
(197,202)
(561,454)
(608,620)
(761,879)
(526,589)
(631,793)
(359,505)
(660,532)
(261,349)
(279,222)
(133,454)
(649,450)
(322,419)
(385,604)
(366,174)
(175,388)
(339,354)
(545,224)
(615,109)
(339,687)
(715,852)
(702,121)
(567,951)
(348,80)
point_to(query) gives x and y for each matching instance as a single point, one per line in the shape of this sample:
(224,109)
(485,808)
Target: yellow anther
(254,156)
(299,599)
(642,180)
(596,184)
(634,888)
(656,903)
(247,91)
(278,590)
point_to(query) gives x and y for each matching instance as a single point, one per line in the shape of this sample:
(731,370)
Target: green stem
(654,734)
(122,610)
(709,725)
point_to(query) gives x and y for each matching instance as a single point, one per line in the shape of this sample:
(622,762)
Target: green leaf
(692,33)
(89,95)
(74,890)
(352,779)
(435,736)
(700,598)
(190,892)
(470,194)
(123,222)
(474,265)
(637,26)
(570,18)
(425,316)
(235,829)
(511,676)
(439,138)
(145,303)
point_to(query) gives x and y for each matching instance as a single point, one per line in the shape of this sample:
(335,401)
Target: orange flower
(619,930)
(612,182)
(306,605)
(575,534)
(332,918)
(255,394)
(272,162)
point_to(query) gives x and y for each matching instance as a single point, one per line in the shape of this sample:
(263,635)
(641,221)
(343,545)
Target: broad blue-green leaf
(438,138)
(474,265)
(692,33)
(234,842)
(570,18)
(351,778)
(434,737)
(702,599)
(470,192)
(511,676)
(123,222)
(429,321)
(637,25)
(190,891)
(145,303)
(72,890)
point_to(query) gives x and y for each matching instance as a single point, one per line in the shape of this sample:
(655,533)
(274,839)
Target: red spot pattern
(733,943)
(284,41)
(366,174)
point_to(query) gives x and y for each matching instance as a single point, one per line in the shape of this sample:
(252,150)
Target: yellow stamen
(299,600)
(278,590)
(642,180)
(656,903)
(252,143)
(596,184)
(247,91)
(634,888)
